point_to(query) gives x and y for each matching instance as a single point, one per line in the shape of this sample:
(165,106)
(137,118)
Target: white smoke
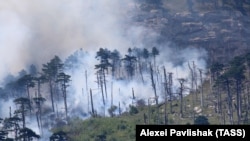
(33,31)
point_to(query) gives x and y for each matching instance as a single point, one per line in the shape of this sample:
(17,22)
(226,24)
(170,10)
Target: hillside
(80,71)
(122,127)
(220,27)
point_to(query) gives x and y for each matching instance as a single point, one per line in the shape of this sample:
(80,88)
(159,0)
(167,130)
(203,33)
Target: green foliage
(3,135)
(96,129)
(216,67)
(103,55)
(26,133)
(52,68)
(201,120)
(59,136)
(145,53)
(133,110)
(111,110)
(155,51)
(237,68)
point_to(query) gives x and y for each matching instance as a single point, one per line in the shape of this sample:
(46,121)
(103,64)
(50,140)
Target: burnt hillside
(221,27)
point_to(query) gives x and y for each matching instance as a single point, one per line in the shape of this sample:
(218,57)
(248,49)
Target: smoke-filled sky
(33,31)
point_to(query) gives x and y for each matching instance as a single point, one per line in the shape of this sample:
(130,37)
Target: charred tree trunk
(181,81)
(119,109)
(165,96)
(65,101)
(133,97)
(105,85)
(201,81)
(140,70)
(153,84)
(101,84)
(170,83)
(92,104)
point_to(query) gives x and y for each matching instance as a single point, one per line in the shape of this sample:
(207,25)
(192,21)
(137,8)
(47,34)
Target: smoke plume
(33,31)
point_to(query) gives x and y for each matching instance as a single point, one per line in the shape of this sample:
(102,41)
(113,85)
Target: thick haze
(33,31)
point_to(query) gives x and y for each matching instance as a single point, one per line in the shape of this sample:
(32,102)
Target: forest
(41,96)
(154,62)
(31,88)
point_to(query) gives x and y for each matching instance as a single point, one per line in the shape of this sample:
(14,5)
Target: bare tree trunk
(133,97)
(153,84)
(181,81)
(140,70)
(38,123)
(119,109)
(201,81)
(92,104)
(165,96)
(195,81)
(86,85)
(192,86)
(104,82)
(65,101)
(170,83)
(101,84)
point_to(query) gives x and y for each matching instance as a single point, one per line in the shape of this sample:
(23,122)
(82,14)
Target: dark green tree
(133,110)
(154,53)
(115,63)
(64,80)
(201,120)
(27,81)
(216,69)
(38,102)
(236,72)
(130,63)
(50,72)
(103,55)
(3,135)
(27,134)
(12,124)
(111,110)
(24,105)
(59,136)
